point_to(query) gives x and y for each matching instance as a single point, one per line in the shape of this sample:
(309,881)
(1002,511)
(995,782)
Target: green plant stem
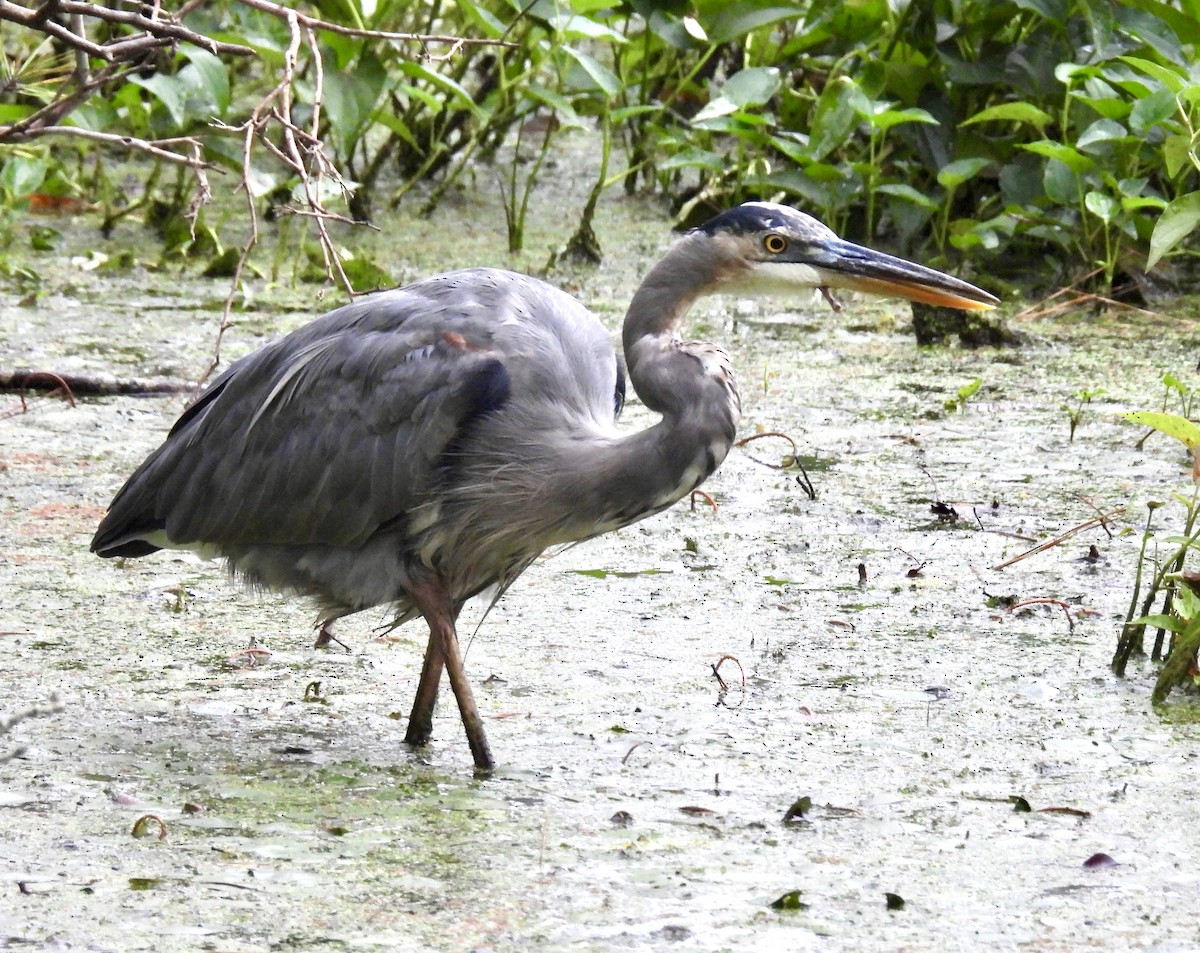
(1131,635)
(1175,669)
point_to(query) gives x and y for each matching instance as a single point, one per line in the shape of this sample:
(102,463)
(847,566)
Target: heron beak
(842,264)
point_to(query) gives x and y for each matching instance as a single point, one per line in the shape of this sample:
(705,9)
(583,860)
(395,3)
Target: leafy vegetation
(1047,137)
(1166,578)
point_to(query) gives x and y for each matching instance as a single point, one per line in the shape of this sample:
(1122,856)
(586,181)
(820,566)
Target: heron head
(773,249)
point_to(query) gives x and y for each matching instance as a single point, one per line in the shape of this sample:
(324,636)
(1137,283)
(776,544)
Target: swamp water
(636,805)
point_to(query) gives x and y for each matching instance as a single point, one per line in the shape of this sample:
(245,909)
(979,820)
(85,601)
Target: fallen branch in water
(89,385)
(1100,520)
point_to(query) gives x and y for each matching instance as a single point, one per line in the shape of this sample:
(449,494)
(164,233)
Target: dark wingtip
(111,541)
(130,550)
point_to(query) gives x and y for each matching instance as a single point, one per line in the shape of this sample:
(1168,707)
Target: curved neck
(690,384)
(693,267)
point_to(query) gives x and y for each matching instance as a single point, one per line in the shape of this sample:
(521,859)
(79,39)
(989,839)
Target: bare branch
(154,148)
(312,23)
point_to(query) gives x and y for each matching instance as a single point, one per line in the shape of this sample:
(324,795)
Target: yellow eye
(775,244)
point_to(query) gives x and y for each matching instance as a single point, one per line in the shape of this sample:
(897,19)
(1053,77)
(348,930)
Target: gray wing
(344,425)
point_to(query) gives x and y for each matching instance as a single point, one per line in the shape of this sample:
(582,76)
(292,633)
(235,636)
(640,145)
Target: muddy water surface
(636,805)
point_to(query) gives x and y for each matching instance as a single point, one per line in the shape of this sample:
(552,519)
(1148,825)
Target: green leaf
(800,807)
(752,87)
(909,194)
(1178,220)
(350,98)
(1172,425)
(569,26)
(1102,205)
(168,91)
(417,71)
(601,76)
(1012,112)
(1168,77)
(1177,153)
(22,175)
(1169,622)
(693,158)
(884,119)
(956,173)
(789,901)
(206,72)
(1187,602)
(628,112)
(1154,110)
(738,19)
(970,389)
(837,112)
(714,109)
(1102,133)
(1070,157)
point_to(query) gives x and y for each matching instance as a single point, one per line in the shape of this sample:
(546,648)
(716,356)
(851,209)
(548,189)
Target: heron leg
(435,605)
(420,722)
(325,635)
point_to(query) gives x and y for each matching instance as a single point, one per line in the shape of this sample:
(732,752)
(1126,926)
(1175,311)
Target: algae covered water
(640,800)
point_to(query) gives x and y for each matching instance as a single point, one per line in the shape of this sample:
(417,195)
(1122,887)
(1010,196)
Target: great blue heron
(421,445)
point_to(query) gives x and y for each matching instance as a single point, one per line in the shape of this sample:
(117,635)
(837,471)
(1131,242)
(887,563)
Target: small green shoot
(1081,398)
(958,403)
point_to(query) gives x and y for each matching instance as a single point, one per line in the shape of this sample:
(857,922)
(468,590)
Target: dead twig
(1100,520)
(9,722)
(1049,602)
(1069,297)
(724,688)
(789,463)
(142,826)
(632,749)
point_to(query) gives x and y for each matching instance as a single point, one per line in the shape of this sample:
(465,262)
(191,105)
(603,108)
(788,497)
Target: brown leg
(420,722)
(325,636)
(430,597)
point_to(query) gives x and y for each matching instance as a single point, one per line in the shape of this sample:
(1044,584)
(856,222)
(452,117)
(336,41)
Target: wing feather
(320,437)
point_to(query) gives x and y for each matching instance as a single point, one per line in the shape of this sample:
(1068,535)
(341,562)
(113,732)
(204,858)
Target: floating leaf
(789,901)
(800,807)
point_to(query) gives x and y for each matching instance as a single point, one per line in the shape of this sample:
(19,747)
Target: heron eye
(775,244)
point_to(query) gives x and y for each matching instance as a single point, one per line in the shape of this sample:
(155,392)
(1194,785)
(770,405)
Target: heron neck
(669,289)
(627,478)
